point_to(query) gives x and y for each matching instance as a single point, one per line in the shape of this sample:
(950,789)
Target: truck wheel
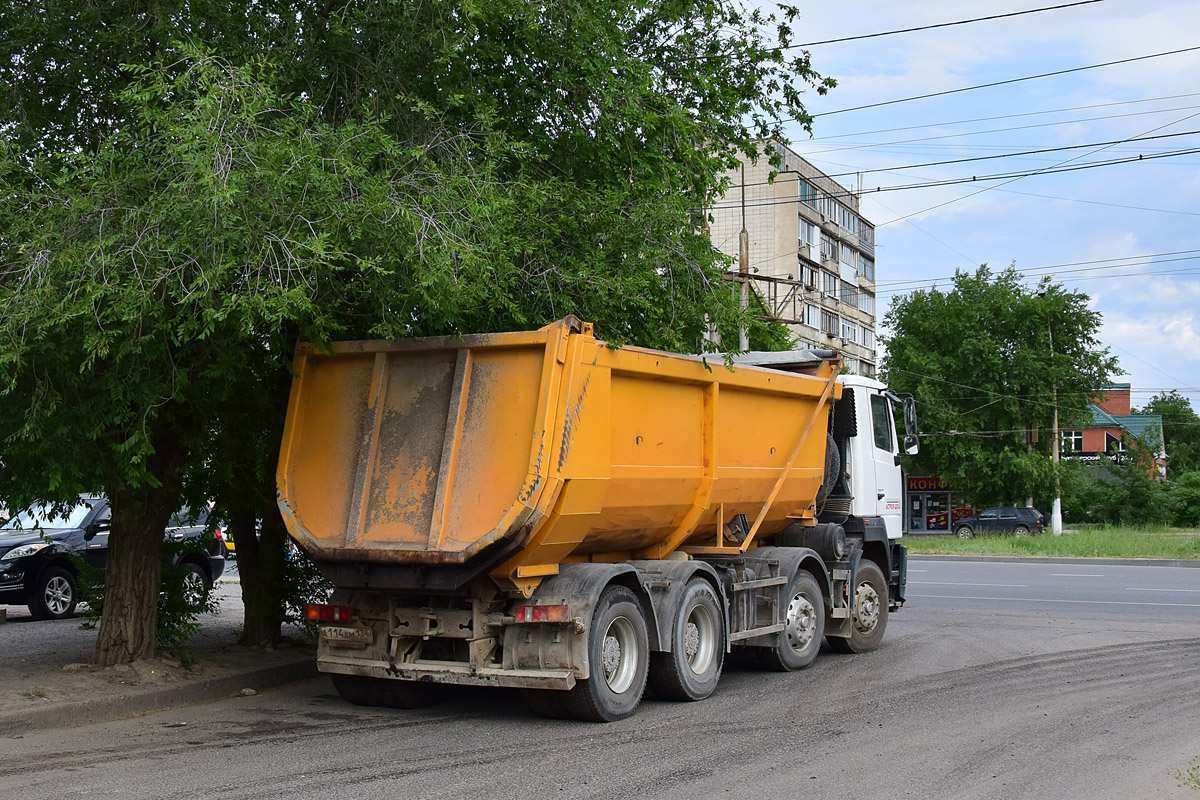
(693,667)
(618,654)
(804,621)
(869,617)
(55,595)
(363,691)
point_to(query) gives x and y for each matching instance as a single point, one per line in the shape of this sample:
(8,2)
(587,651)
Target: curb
(135,703)
(1007,559)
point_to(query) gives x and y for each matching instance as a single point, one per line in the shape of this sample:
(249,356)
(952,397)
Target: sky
(1127,235)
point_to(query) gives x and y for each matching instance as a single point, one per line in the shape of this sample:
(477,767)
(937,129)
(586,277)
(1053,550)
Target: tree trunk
(263,580)
(133,572)
(262,572)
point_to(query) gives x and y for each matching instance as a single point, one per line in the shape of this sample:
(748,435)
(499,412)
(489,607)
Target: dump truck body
(479,500)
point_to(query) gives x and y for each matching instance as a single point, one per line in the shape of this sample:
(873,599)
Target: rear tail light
(559,613)
(319,612)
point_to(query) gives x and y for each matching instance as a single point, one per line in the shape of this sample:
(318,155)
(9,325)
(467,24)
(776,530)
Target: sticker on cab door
(892,505)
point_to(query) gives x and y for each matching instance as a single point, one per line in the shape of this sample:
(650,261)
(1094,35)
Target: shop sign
(928,484)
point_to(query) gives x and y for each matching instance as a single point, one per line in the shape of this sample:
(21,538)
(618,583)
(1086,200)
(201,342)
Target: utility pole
(744,267)
(1055,443)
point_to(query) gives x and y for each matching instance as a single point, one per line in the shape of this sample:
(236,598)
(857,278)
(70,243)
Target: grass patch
(1090,541)
(36,693)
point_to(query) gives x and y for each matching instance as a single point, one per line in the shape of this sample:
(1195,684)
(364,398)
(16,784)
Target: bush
(177,618)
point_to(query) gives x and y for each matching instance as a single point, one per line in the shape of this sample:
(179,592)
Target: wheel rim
(866,608)
(699,640)
(619,655)
(1020,530)
(58,595)
(801,622)
(964,533)
(193,589)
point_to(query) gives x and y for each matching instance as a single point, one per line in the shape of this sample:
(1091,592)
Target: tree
(188,189)
(1180,428)
(980,362)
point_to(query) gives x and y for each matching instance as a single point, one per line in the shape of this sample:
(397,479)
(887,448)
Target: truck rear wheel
(363,691)
(693,667)
(804,621)
(868,620)
(618,655)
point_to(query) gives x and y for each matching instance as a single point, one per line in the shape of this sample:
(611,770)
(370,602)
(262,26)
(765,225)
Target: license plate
(347,636)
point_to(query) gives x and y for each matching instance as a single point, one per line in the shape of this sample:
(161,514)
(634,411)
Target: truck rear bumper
(450,672)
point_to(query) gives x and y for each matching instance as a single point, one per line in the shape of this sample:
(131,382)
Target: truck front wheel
(804,621)
(618,656)
(693,667)
(869,617)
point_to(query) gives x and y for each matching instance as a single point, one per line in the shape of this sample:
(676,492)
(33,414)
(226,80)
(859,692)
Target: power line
(1014,175)
(1013,116)
(1036,172)
(964,134)
(941,25)
(1002,83)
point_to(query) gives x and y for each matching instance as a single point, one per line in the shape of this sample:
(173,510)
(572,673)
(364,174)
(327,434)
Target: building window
(849,331)
(812,315)
(808,194)
(808,232)
(1072,441)
(829,286)
(829,249)
(866,301)
(808,275)
(849,294)
(868,337)
(829,322)
(868,268)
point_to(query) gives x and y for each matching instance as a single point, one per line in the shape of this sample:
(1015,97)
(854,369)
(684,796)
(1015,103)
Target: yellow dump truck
(540,510)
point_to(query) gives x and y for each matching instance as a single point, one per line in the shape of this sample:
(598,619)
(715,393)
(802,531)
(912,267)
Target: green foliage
(1189,778)
(189,188)
(1085,541)
(979,360)
(1180,429)
(303,583)
(177,615)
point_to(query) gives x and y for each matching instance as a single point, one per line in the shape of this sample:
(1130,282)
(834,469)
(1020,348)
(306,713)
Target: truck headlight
(23,550)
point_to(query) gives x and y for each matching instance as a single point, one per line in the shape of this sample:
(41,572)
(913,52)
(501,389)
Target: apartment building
(812,255)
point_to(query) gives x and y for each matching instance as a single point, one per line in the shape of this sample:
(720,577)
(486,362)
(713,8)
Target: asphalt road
(996,681)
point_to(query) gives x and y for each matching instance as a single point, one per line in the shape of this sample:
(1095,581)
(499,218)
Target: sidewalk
(46,682)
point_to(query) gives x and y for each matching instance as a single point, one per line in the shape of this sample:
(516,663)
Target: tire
(196,584)
(799,642)
(365,691)
(868,619)
(55,595)
(618,653)
(965,532)
(693,667)
(1020,530)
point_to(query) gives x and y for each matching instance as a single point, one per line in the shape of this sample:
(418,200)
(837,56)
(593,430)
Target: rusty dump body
(512,454)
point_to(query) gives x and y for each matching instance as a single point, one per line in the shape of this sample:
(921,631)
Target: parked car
(37,545)
(1017,520)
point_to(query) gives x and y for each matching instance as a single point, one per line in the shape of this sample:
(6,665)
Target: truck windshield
(47,516)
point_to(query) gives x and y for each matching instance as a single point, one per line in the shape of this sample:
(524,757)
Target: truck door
(888,484)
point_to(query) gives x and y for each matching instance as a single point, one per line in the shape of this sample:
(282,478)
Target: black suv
(1017,520)
(36,568)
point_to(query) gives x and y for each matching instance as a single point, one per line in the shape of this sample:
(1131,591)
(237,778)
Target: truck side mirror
(912,445)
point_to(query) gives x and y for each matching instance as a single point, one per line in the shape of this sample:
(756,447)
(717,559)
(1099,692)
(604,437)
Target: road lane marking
(1073,575)
(1134,589)
(918,570)
(1043,600)
(1003,585)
